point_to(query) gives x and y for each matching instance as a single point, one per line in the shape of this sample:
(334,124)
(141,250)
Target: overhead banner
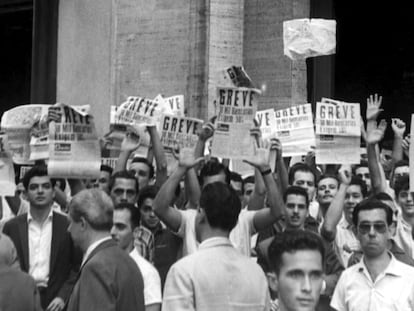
(294,128)
(179,131)
(338,130)
(7,181)
(303,38)
(74,150)
(236,111)
(17,124)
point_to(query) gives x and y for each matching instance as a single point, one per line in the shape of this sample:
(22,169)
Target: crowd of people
(300,237)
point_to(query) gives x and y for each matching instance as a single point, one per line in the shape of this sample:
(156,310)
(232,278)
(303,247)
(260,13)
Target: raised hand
(406,145)
(262,156)
(398,126)
(275,144)
(207,130)
(345,175)
(131,140)
(186,157)
(373,107)
(375,135)
(54,114)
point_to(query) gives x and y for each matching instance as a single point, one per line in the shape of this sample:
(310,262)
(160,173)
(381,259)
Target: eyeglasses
(379,227)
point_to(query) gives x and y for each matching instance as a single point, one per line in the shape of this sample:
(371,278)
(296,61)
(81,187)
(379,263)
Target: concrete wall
(283,82)
(108,50)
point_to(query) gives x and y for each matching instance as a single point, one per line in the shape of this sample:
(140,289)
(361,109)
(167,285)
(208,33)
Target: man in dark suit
(43,245)
(109,279)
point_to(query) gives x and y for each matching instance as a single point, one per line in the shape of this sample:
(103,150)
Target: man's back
(109,280)
(216,277)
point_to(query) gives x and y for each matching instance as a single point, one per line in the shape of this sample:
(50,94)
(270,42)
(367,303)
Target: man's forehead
(40,180)
(362,169)
(139,166)
(373,215)
(302,175)
(293,197)
(124,183)
(304,260)
(354,189)
(327,181)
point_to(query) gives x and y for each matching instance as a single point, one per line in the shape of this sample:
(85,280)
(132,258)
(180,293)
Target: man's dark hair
(386,144)
(249,180)
(237,178)
(36,171)
(145,161)
(325,176)
(401,184)
(296,191)
(371,204)
(106,168)
(147,192)
(357,166)
(299,167)
(356,181)
(125,175)
(291,242)
(212,168)
(382,196)
(221,205)
(133,211)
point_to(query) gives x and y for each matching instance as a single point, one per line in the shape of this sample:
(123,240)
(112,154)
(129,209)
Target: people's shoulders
(15,221)
(146,268)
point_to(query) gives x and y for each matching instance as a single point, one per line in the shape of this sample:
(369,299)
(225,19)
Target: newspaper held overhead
(39,137)
(236,109)
(7,182)
(139,111)
(179,131)
(17,123)
(411,154)
(338,130)
(74,150)
(303,38)
(294,128)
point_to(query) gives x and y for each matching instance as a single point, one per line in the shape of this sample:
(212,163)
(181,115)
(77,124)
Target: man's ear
(84,223)
(272,280)
(135,232)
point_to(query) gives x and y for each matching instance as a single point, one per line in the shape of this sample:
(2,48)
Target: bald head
(8,255)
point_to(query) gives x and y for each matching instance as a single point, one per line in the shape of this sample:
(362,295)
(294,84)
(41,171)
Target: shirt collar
(215,241)
(93,246)
(393,268)
(343,223)
(30,217)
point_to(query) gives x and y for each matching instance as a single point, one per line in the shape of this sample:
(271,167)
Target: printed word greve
(292,111)
(172,124)
(337,112)
(71,116)
(236,98)
(141,105)
(263,117)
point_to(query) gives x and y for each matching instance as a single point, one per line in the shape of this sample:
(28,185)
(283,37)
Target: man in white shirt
(43,245)
(216,277)
(126,223)
(378,281)
(297,260)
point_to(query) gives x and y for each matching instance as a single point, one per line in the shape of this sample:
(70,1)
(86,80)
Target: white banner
(74,150)
(411,154)
(7,182)
(340,118)
(294,128)
(303,38)
(332,149)
(236,111)
(179,131)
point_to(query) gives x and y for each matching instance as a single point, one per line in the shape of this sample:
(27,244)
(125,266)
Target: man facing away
(109,279)
(297,260)
(216,277)
(378,281)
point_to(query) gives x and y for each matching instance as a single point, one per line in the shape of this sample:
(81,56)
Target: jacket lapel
(24,234)
(57,228)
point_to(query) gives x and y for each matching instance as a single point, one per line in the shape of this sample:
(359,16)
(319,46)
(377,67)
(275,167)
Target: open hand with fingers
(185,157)
(375,135)
(207,130)
(261,158)
(131,140)
(373,107)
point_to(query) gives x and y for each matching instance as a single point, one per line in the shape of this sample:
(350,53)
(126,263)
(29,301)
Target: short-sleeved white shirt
(345,241)
(403,236)
(392,290)
(151,277)
(239,236)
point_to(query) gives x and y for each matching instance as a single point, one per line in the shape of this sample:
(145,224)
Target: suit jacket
(64,260)
(109,280)
(18,291)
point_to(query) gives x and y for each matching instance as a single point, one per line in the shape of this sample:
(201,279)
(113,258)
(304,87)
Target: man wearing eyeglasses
(378,281)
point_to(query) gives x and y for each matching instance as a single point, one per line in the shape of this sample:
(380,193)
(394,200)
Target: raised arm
(398,127)
(334,212)
(162,202)
(281,170)
(159,154)
(129,144)
(267,216)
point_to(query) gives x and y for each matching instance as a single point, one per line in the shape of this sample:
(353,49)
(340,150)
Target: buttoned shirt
(40,241)
(346,243)
(217,278)
(144,243)
(392,290)
(403,236)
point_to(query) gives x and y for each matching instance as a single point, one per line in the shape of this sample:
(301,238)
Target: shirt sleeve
(152,287)
(181,230)
(178,292)
(338,298)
